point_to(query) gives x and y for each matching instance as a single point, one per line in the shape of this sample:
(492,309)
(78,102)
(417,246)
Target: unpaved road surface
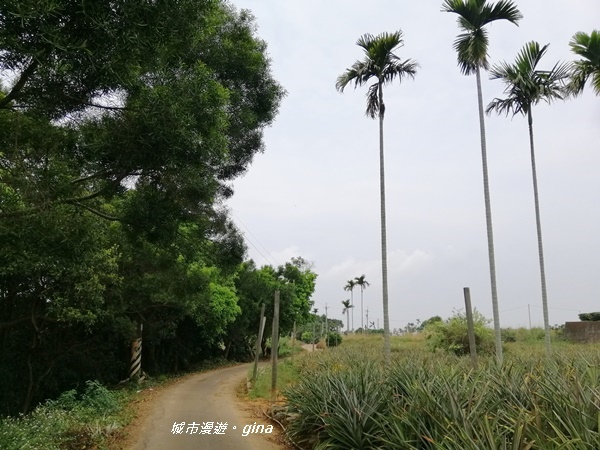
(200,403)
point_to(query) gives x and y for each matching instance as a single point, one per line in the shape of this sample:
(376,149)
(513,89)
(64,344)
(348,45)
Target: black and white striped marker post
(136,358)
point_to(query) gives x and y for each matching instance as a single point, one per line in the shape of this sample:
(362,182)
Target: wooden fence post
(261,329)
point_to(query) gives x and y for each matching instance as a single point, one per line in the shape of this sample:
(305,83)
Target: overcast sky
(315,191)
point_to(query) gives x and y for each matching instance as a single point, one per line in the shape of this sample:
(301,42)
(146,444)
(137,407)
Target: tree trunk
(386,318)
(347,321)
(362,326)
(538,222)
(488,220)
(352,306)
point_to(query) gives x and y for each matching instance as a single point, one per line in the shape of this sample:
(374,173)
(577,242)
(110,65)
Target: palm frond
(588,47)
(365,41)
(380,62)
(525,84)
(359,73)
(399,69)
(471,49)
(471,45)
(502,10)
(596,82)
(373,101)
(504,106)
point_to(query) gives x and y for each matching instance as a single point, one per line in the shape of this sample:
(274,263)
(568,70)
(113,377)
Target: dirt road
(203,412)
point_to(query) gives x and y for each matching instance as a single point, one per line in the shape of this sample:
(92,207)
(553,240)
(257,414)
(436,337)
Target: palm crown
(380,62)
(350,285)
(473,15)
(347,305)
(525,84)
(362,281)
(588,47)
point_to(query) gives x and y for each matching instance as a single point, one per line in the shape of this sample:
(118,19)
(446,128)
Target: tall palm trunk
(488,220)
(352,305)
(362,326)
(348,320)
(538,222)
(384,280)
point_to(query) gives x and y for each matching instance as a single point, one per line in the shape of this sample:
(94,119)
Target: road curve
(187,415)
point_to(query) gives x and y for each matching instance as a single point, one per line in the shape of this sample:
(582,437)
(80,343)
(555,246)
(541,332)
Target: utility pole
(367,319)
(529,310)
(275,347)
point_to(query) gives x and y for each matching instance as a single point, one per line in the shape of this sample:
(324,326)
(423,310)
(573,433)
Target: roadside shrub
(452,335)
(334,339)
(285,346)
(590,317)
(72,421)
(308,338)
(509,335)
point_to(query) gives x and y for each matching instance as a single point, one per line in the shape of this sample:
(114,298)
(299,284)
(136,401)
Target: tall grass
(346,399)
(73,421)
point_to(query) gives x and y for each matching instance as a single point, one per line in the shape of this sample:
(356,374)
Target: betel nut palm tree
(472,51)
(525,86)
(347,307)
(588,47)
(383,66)
(363,283)
(350,287)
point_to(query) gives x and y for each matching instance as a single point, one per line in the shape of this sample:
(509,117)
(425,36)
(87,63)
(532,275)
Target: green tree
(119,138)
(472,49)
(587,46)
(429,321)
(363,283)
(256,286)
(589,317)
(347,307)
(383,65)
(350,287)
(452,335)
(191,101)
(525,86)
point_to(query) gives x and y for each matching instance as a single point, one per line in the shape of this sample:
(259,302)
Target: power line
(257,240)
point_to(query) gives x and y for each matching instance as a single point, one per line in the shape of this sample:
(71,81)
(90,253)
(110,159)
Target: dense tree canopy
(122,124)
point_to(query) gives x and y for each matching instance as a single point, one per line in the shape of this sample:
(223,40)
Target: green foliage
(287,374)
(309,338)
(586,46)
(119,138)
(509,335)
(74,420)
(334,339)
(452,335)
(285,347)
(429,321)
(472,44)
(587,317)
(256,286)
